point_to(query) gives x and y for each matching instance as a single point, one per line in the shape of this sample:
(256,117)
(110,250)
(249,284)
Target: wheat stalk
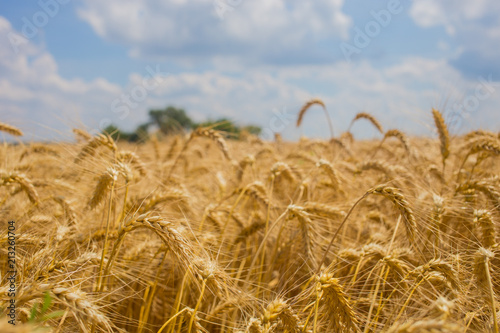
(172,238)
(306,228)
(282,169)
(10,129)
(132,158)
(335,304)
(247,161)
(94,143)
(68,210)
(307,105)
(25,184)
(104,183)
(370,118)
(79,303)
(426,326)
(398,199)
(330,171)
(324,210)
(482,272)
(39,149)
(216,137)
(484,144)
(444,136)
(485,221)
(250,230)
(86,136)
(400,136)
(281,311)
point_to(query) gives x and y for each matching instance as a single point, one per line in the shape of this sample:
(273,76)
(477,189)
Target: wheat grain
(482,272)
(444,136)
(132,158)
(336,305)
(25,184)
(398,199)
(282,169)
(39,149)
(330,171)
(307,105)
(484,144)
(104,183)
(279,310)
(484,219)
(399,135)
(306,229)
(10,129)
(94,143)
(216,137)
(79,303)
(250,230)
(86,136)
(426,326)
(370,118)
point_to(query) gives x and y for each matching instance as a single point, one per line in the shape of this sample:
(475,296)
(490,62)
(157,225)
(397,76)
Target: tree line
(173,120)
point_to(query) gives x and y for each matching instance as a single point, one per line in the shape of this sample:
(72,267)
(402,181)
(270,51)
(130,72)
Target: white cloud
(451,13)
(254,29)
(475,25)
(34,95)
(33,92)
(401,96)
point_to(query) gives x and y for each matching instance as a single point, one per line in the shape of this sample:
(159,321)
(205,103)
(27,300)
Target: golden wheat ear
(103,187)
(10,129)
(25,184)
(482,267)
(400,202)
(82,134)
(335,304)
(90,148)
(279,313)
(400,136)
(305,107)
(444,136)
(370,118)
(216,137)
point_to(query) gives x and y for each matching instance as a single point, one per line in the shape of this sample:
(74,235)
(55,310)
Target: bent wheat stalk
(444,136)
(370,118)
(25,184)
(315,101)
(393,133)
(94,143)
(482,271)
(397,199)
(10,129)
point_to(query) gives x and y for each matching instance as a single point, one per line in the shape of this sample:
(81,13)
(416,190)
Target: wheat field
(202,233)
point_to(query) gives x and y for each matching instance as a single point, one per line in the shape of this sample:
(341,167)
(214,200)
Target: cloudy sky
(90,63)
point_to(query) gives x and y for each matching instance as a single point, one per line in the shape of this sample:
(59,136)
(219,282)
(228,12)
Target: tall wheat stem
(105,248)
(338,230)
(193,315)
(262,257)
(491,293)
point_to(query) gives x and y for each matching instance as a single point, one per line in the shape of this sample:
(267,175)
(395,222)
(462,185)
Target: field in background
(204,234)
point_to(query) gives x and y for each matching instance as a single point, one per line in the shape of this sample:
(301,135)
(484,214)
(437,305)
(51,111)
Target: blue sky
(89,63)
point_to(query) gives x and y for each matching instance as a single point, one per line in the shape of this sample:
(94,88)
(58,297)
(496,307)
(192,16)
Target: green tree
(228,126)
(170,120)
(222,124)
(140,134)
(252,129)
(116,133)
